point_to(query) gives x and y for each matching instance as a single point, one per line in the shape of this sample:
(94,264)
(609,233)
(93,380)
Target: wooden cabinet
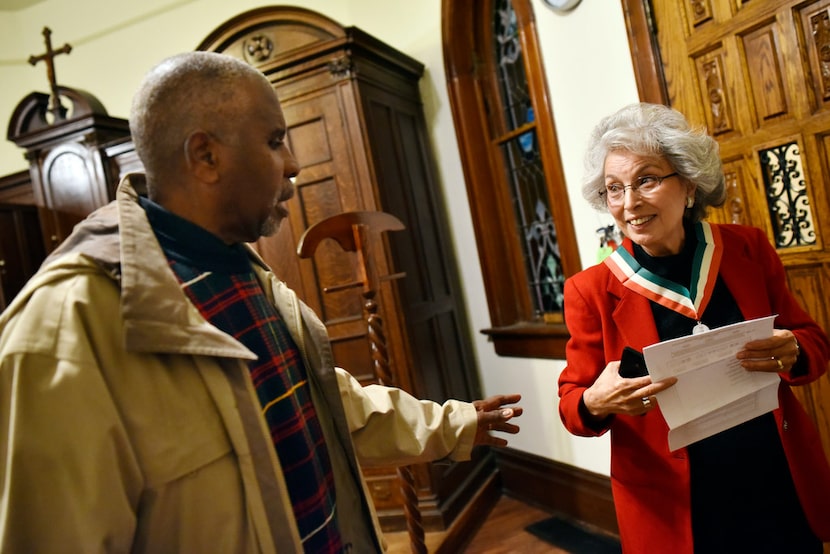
(74,167)
(357,128)
(21,242)
(69,171)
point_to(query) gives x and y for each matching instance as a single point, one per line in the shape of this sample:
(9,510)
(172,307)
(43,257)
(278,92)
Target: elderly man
(162,391)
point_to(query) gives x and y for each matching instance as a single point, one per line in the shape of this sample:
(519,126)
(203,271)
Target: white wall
(589,73)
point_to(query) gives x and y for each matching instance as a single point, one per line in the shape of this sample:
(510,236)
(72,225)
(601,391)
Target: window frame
(516,330)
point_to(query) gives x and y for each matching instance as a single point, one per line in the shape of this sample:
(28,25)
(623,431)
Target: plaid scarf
(220,282)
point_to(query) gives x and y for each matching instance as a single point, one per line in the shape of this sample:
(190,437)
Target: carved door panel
(756,74)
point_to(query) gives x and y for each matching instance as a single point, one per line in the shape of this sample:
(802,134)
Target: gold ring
(780,365)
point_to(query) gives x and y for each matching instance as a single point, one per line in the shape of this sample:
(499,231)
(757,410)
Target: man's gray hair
(183,93)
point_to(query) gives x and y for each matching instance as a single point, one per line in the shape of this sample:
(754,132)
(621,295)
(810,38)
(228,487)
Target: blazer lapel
(741,274)
(633,316)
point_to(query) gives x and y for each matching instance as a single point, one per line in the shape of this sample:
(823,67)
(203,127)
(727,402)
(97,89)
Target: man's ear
(200,152)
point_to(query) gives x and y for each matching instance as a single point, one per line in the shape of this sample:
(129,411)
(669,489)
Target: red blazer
(649,483)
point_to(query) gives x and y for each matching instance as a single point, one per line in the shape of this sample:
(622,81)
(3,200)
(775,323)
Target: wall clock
(562,6)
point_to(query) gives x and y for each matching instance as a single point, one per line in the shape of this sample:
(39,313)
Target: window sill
(530,340)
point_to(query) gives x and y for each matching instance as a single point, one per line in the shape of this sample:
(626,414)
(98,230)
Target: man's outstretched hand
(493,415)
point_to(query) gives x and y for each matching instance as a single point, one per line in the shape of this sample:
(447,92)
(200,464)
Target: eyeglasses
(645,186)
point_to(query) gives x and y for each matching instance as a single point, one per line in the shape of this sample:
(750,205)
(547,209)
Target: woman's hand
(776,354)
(612,394)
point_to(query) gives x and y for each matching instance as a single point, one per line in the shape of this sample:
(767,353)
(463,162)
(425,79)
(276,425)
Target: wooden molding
(645,53)
(16,188)
(471,518)
(530,340)
(573,492)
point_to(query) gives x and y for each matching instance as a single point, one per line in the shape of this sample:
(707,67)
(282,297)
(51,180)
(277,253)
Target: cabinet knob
(2,267)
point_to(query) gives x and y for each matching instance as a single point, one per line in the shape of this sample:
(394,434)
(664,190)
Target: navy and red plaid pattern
(236,304)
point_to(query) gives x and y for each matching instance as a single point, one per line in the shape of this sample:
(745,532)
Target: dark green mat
(573,538)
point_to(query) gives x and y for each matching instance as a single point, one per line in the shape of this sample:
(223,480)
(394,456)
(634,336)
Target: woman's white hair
(656,130)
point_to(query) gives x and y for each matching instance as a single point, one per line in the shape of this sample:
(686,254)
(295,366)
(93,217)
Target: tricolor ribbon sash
(705,265)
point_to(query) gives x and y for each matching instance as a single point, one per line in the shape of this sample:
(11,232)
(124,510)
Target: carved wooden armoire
(356,126)
(71,174)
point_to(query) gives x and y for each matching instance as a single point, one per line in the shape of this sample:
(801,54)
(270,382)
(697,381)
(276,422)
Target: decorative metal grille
(523,164)
(786,193)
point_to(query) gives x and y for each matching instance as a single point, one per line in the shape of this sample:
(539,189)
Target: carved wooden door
(757,75)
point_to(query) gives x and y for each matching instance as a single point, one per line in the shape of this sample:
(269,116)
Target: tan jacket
(128,423)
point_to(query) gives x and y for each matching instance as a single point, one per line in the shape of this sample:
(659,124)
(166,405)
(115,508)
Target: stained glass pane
(523,165)
(515,98)
(535,223)
(787,200)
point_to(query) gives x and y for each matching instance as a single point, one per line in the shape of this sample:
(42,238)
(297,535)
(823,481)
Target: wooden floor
(502,533)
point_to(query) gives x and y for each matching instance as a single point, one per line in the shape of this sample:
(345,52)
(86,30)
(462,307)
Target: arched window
(512,168)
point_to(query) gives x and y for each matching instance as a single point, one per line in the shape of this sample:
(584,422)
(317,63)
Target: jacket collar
(157,316)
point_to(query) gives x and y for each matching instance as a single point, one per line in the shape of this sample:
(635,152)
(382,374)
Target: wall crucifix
(55,107)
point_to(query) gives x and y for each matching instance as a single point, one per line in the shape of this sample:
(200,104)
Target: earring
(690,201)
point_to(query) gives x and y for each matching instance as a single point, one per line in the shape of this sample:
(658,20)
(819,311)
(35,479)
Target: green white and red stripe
(667,293)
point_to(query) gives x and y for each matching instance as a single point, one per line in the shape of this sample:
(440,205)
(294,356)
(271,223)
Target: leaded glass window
(523,166)
(513,172)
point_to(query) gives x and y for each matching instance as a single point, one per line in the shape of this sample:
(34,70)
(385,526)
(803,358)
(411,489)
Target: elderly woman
(762,486)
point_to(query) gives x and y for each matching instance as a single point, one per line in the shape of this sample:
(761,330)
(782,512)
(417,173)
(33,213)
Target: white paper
(713,392)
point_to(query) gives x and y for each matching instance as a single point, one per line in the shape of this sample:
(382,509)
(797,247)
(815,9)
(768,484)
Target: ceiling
(15,5)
